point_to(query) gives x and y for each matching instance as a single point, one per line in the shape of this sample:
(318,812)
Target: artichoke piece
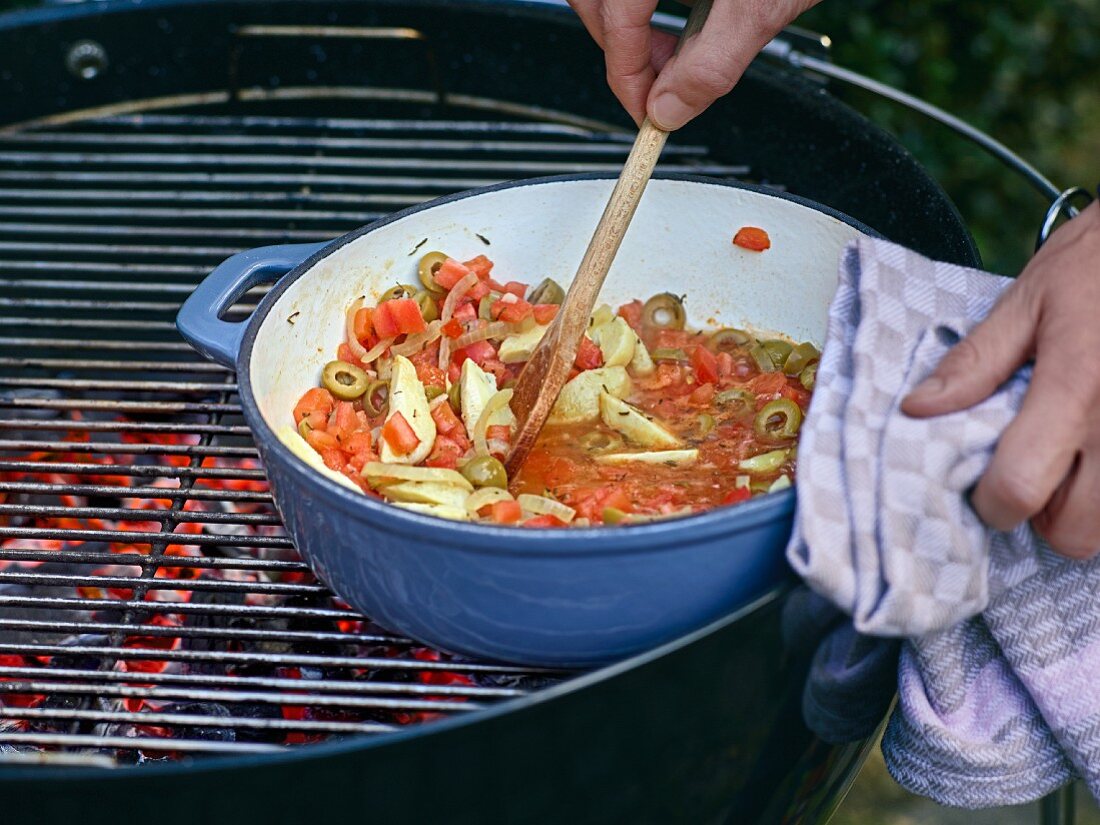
(427,492)
(407,397)
(616,341)
(580,398)
(628,420)
(669,457)
(517,348)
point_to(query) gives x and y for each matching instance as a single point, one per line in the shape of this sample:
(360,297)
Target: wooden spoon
(546,372)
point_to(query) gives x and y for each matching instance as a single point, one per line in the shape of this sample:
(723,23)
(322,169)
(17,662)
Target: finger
(627,44)
(1069,522)
(1037,449)
(664,44)
(710,63)
(589,13)
(986,358)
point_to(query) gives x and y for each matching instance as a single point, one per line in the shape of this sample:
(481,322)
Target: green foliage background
(1027,72)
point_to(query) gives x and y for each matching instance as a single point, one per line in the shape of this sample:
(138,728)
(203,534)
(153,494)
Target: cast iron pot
(571,597)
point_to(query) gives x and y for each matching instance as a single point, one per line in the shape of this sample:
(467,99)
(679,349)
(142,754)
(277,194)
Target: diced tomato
(752,238)
(798,395)
(632,314)
(334,459)
(344,353)
(481,265)
(478,291)
(506,512)
(450,272)
(315,400)
(399,434)
(705,364)
(496,368)
(445,418)
(617,497)
(725,364)
(589,356)
(499,431)
(320,440)
(515,288)
(703,394)
(544,521)
(446,452)
(479,352)
(544,313)
(427,367)
(465,312)
(358,442)
(767,385)
(400,316)
(515,311)
(362,325)
(737,494)
(344,422)
(452,329)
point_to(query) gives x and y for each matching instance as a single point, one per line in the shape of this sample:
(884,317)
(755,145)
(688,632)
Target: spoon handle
(546,372)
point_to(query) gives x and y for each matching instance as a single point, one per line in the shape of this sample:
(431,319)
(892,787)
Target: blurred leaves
(1028,73)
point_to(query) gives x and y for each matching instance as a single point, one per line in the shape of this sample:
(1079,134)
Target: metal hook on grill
(1062,205)
(240,33)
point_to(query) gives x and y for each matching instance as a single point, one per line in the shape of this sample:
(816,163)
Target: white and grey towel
(999,674)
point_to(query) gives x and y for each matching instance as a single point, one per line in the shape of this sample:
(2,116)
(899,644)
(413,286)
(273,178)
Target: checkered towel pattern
(999,675)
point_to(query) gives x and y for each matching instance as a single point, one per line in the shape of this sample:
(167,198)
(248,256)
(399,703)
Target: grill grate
(151,606)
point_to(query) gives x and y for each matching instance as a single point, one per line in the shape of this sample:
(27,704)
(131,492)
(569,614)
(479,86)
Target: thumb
(707,66)
(974,368)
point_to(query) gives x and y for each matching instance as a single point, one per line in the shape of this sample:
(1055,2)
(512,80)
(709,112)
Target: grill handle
(200,318)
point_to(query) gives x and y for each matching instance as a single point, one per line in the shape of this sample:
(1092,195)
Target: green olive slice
(729,340)
(399,291)
(376,397)
(428,307)
(664,311)
(777,350)
(808,376)
(778,419)
(547,292)
(801,356)
(346,381)
(485,471)
(427,268)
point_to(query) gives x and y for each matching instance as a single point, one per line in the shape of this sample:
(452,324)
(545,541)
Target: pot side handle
(199,320)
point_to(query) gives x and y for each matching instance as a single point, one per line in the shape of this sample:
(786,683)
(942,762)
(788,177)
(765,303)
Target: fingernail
(669,112)
(928,388)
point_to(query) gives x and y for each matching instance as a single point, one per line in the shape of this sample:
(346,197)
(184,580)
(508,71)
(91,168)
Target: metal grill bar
(210,586)
(334,686)
(138,515)
(105,490)
(142,537)
(138,560)
(229,634)
(303,660)
(195,720)
(225,695)
(127,743)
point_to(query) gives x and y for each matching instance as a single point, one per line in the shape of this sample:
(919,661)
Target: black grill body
(140,144)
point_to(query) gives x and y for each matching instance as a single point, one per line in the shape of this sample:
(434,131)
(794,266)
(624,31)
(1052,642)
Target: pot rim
(487,539)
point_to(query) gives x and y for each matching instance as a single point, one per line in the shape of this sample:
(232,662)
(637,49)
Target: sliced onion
(542,506)
(356,348)
(375,351)
(484,497)
(497,329)
(376,472)
(496,402)
(457,293)
(414,343)
(445,353)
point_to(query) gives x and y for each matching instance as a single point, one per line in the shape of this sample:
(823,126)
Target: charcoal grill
(156,628)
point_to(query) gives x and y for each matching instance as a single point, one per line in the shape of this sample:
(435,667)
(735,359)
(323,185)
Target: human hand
(1047,464)
(647,78)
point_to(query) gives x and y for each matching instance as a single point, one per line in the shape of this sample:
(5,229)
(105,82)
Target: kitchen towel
(999,672)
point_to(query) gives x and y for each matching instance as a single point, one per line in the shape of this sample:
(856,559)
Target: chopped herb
(293,317)
(483,239)
(418,246)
